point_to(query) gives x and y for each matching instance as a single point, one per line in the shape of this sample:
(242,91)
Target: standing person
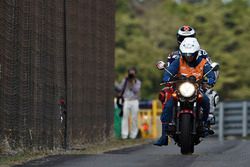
(131,86)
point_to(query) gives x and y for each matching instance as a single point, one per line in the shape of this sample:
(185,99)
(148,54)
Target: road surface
(210,153)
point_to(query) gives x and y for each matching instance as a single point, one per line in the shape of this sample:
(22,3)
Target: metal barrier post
(244,119)
(154,120)
(221,122)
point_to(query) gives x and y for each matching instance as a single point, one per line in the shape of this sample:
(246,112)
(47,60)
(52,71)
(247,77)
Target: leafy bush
(143,38)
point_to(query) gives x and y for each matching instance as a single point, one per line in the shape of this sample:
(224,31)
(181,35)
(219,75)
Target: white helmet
(189,48)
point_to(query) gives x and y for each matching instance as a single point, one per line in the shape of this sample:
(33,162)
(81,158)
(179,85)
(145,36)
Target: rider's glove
(166,84)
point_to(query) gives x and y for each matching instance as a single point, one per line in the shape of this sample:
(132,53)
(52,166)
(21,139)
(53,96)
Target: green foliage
(222,30)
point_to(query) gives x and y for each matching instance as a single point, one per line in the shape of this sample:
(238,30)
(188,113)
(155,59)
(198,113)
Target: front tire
(186,137)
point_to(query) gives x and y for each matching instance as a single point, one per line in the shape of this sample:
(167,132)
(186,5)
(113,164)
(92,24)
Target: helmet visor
(189,57)
(189,54)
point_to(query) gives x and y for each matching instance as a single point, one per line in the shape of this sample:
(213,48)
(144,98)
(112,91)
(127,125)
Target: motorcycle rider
(189,63)
(182,33)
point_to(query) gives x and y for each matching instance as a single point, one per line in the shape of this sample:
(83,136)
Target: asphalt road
(209,153)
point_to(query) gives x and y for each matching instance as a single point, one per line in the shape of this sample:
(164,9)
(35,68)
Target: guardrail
(232,119)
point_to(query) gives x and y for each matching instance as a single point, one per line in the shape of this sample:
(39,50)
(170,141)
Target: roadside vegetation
(145,33)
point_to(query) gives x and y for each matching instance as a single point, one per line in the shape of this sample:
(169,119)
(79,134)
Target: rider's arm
(210,76)
(173,69)
(205,55)
(172,56)
(119,86)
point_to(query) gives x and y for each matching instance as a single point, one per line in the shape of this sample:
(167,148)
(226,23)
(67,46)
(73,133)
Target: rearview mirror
(160,65)
(215,66)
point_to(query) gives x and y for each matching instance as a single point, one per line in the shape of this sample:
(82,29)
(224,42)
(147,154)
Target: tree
(142,39)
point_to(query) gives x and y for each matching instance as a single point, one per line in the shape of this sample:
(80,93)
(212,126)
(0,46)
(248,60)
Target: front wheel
(186,137)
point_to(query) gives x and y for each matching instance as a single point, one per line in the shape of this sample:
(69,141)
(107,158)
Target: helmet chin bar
(189,59)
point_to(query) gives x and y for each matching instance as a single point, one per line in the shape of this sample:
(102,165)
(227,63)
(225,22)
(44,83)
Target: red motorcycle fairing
(165,94)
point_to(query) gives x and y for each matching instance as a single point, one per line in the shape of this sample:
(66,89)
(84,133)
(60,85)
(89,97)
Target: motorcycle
(187,127)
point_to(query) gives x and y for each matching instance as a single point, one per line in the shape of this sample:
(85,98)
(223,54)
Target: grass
(98,148)
(10,160)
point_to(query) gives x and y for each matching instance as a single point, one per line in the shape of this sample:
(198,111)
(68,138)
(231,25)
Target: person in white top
(131,104)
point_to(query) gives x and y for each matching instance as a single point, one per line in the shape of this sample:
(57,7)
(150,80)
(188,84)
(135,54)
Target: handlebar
(200,82)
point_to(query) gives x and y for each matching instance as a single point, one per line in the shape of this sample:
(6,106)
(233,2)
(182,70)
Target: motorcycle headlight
(186,89)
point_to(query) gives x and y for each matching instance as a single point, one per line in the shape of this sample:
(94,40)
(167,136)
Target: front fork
(194,120)
(178,118)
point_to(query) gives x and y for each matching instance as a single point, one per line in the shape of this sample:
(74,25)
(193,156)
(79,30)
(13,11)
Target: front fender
(185,111)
